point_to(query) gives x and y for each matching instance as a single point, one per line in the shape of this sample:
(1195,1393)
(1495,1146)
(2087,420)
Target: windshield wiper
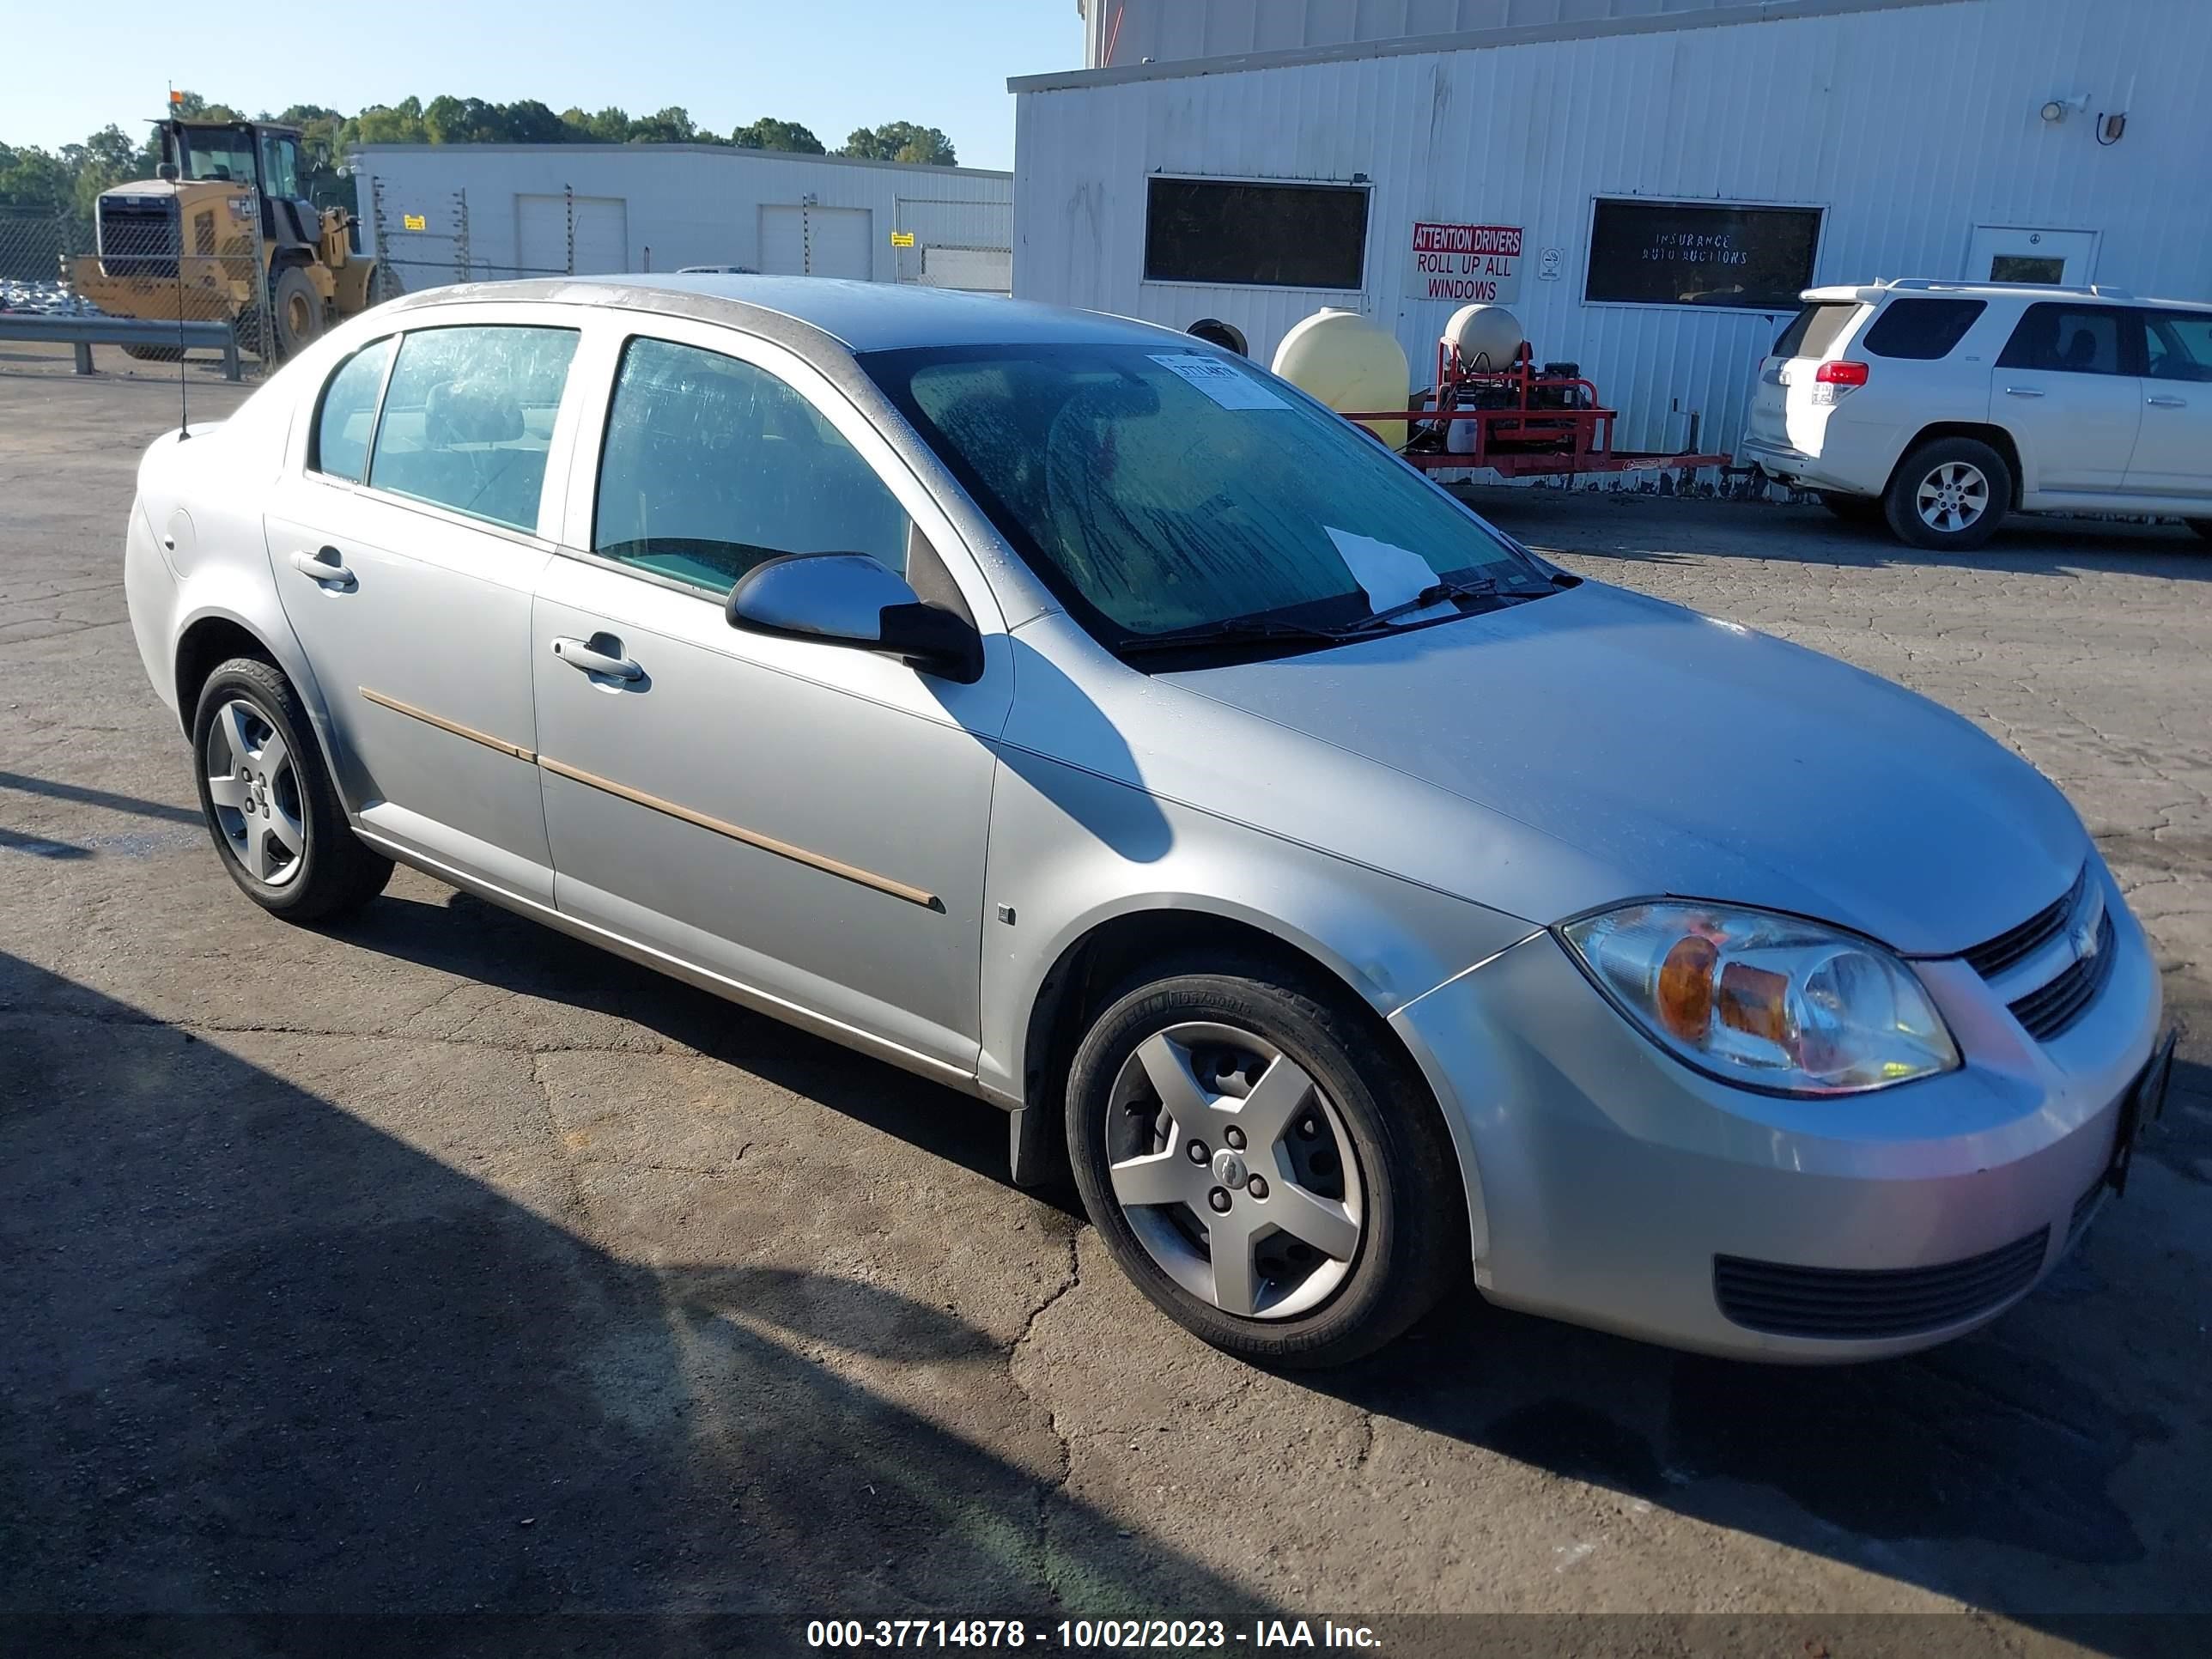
(1437,592)
(1237,630)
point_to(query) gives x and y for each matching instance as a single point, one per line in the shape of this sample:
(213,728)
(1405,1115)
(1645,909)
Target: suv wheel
(1949,495)
(269,802)
(1270,1177)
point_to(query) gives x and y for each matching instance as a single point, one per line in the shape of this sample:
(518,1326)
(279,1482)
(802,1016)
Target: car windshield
(216,153)
(1157,489)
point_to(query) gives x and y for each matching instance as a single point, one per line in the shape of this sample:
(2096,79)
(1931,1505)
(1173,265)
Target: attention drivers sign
(1465,264)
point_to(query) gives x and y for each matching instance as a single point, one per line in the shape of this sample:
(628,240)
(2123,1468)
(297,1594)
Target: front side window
(468,419)
(711,465)
(2180,345)
(1922,331)
(1156,490)
(2071,339)
(339,447)
(280,166)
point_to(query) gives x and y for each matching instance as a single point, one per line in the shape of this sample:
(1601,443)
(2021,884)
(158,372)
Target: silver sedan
(1066,710)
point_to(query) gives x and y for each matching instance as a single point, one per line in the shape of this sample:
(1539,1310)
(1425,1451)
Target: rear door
(1782,412)
(2068,387)
(404,539)
(2174,450)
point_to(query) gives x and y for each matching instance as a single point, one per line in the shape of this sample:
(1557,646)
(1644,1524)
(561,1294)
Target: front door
(806,822)
(405,550)
(2013,254)
(2173,450)
(2067,386)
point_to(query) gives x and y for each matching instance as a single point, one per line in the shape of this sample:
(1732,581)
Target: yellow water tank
(1347,362)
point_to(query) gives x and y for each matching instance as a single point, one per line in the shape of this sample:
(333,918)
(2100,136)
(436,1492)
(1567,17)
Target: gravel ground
(433,1264)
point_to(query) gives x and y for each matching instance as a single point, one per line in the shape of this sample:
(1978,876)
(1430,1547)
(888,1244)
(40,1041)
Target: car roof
(1874,293)
(859,316)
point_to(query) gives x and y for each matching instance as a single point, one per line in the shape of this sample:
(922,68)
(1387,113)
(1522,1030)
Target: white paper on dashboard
(1224,383)
(1388,575)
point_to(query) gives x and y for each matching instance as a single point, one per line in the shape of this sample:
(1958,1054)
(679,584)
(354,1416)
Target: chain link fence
(431,247)
(158,258)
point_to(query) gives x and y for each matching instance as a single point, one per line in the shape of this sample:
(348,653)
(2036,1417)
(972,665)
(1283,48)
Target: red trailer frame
(1552,425)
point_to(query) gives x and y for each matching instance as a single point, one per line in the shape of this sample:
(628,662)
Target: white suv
(1942,406)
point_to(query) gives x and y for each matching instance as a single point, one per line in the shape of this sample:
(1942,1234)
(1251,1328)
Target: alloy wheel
(254,786)
(1952,497)
(1235,1170)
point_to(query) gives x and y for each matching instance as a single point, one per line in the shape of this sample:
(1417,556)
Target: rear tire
(276,820)
(146,354)
(1852,509)
(2202,528)
(296,309)
(1949,495)
(1360,1228)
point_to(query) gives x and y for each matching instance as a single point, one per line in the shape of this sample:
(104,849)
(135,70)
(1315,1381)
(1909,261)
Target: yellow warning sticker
(414,222)
(902,239)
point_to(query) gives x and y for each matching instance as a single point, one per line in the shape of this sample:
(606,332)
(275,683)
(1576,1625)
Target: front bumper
(1609,1185)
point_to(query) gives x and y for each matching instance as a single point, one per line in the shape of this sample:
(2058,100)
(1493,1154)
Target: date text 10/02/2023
(1079,1635)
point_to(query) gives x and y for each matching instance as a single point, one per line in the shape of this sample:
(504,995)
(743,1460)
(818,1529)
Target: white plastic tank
(1345,361)
(1489,339)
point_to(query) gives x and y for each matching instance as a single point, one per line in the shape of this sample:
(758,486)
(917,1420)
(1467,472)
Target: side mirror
(166,172)
(849,599)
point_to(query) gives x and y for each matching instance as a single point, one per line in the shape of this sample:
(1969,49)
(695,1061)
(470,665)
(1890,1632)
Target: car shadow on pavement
(263,1357)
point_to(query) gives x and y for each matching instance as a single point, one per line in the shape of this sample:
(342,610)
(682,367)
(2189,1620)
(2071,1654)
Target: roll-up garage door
(601,240)
(817,241)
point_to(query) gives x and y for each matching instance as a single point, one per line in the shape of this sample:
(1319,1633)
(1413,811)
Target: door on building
(588,235)
(2013,254)
(817,241)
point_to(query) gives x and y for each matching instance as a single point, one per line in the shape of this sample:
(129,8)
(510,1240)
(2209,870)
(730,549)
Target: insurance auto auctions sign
(1464,263)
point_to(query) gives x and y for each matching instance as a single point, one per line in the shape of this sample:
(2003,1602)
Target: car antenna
(184,406)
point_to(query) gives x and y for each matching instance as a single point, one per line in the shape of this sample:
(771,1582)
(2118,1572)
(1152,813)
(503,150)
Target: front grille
(2046,1011)
(1866,1304)
(138,241)
(2084,1207)
(2018,944)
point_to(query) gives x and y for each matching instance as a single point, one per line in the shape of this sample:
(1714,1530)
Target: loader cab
(263,159)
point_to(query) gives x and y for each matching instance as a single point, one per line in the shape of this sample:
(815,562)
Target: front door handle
(2023,392)
(326,565)
(579,655)
(2169,402)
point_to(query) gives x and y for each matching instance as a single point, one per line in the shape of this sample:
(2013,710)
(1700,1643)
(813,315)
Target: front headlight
(1766,1000)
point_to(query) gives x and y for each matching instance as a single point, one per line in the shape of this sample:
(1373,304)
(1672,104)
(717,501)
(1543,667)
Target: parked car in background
(1073,712)
(1941,407)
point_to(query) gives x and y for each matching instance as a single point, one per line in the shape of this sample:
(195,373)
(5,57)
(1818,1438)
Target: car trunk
(1782,410)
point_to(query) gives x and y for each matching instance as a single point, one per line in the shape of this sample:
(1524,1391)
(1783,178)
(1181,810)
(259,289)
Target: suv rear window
(1816,330)
(1923,329)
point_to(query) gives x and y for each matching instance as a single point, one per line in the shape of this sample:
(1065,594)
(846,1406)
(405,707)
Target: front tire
(269,802)
(1949,495)
(1264,1165)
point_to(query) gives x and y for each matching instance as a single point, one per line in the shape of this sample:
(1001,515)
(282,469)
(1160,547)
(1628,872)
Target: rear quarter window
(1923,329)
(1814,331)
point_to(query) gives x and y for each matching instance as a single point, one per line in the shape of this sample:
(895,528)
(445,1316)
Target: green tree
(900,141)
(769,133)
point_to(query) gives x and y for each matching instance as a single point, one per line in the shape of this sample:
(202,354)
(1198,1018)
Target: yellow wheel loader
(224,235)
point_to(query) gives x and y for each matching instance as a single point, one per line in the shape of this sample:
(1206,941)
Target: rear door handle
(2169,402)
(578,654)
(324,565)
(2023,392)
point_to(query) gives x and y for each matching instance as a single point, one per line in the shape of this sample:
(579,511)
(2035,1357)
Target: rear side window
(2073,339)
(1923,329)
(1814,330)
(468,419)
(711,465)
(348,413)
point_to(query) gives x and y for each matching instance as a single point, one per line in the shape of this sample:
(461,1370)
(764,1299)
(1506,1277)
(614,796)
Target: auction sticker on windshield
(1226,384)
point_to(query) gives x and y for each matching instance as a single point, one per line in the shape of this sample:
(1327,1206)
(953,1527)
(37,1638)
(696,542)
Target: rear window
(1922,330)
(1816,330)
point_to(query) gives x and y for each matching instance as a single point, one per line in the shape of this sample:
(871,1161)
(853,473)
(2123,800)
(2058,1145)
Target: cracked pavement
(433,1262)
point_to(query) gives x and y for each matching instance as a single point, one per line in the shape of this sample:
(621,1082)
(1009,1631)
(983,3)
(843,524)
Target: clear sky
(832,64)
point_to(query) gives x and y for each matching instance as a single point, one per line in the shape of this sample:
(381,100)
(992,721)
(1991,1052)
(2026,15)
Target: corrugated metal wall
(1909,127)
(1122,31)
(686,205)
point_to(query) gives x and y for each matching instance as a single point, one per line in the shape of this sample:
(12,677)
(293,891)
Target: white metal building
(1646,183)
(444,213)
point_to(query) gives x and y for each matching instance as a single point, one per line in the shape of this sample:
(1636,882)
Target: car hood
(1692,757)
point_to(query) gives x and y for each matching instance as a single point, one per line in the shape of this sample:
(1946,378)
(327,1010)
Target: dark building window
(1219,230)
(1685,253)
(1922,330)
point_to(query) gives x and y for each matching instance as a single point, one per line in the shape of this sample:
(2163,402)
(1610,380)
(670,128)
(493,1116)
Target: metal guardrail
(85,332)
